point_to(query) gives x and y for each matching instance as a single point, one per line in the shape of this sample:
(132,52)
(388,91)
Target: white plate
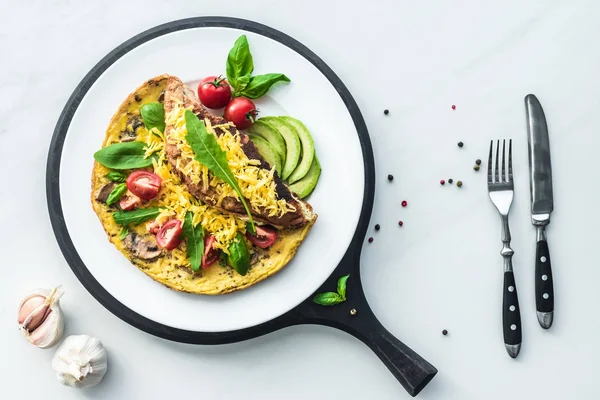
(192,54)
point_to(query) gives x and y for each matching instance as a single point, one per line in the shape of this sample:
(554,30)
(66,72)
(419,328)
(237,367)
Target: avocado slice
(306,185)
(271,135)
(267,151)
(292,143)
(308,149)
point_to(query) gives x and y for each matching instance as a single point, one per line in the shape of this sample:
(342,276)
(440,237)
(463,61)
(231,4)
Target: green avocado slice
(267,152)
(292,143)
(306,185)
(271,135)
(308,149)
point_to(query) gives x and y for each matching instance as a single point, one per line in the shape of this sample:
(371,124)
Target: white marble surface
(440,271)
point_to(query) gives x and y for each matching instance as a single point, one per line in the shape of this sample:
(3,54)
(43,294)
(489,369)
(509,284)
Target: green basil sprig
(116,176)
(332,298)
(209,153)
(239,68)
(135,217)
(153,115)
(128,155)
(194,238)
(117,192)
(239,257)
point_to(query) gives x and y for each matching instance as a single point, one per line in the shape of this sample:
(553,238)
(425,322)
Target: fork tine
(503,160)
(497,174)
(510,177)
(490,162)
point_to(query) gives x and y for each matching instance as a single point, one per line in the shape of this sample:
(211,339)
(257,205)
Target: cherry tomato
(265,236)
(144,184)
(214,92)
(153,226)
(241,111)
(129,202)
(211,255)
(169,235)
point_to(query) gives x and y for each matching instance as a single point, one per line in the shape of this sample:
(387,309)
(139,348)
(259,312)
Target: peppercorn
(444,332)
(377,227)
(460,144)
(404,203)
(454,106)
(450,181)
(442,182)
(386,111)
(353,311)
(371,240)
(476,167)
(400,223)
(459,183)
(390,177)
(478,161)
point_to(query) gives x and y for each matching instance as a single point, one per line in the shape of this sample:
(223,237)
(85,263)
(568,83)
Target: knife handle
(544,286)
(511,315)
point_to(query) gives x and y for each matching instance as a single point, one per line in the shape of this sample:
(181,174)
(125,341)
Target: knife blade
(542,205)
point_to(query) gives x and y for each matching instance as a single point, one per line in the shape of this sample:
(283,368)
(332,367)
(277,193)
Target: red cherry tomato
(129,202)
(214,92)
(265,236)
(169,235)
(241,111)
(144,184)
(211,255)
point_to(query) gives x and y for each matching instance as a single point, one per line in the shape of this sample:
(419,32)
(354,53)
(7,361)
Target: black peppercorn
(478,161)
(377,227)
(460,144)
(370,240)
(444,332)
(450,181)
(390,177)
(386,111)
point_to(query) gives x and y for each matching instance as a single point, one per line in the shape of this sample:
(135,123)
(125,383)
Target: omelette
(171,216)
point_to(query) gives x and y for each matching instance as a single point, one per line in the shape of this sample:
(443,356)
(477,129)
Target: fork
(501,190)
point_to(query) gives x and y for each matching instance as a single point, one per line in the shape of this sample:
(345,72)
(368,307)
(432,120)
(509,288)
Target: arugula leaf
(116,176)
(194,238)
(209,153)
(259,85)
(116,194)
(124,232)
(239,63)
(153,115)
(328,299)
(135,217)
(341,286)
(128,155)
(239,258)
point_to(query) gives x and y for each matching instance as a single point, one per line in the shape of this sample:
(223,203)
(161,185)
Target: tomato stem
(218,82)
(251,115)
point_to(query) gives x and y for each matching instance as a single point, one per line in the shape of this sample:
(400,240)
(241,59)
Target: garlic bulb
(80,361)
(40,317)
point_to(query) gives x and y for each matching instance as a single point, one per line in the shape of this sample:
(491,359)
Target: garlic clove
(49,332)
(40,317)
(28,305)
(80,361)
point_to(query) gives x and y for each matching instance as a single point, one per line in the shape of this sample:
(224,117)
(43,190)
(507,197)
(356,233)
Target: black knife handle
(511,315)
(544,286)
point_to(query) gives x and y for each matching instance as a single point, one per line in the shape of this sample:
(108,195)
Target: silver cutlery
(501,190)
(542,204)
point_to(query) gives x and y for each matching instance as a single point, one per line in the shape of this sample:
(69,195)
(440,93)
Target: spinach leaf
(209,153)
(135,217)
(128,155)
(239,258)
(239,63)
(153,115)
(116,176)
(341,286)
(260,84)
(124,232)
(194,238)
(116,194)
(328,299)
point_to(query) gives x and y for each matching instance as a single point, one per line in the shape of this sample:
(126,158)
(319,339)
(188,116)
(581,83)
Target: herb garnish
(332,298)
(116,176)
(124,232)
(194,238)
(117,192)
(135,217)
(239,68)
(209,153)
(153,115)
(239,258)
(128,155)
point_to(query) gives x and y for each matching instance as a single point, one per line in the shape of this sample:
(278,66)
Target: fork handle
(544,286)
(511,315)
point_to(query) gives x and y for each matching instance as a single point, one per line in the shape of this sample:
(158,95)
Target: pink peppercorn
(400,223)
(442,182)
(370,240)
(404,203)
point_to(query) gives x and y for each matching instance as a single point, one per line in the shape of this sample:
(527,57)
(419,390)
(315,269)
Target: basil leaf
(116,176)
(153,115)
(239,63)
(135,217)
(128,155)
(116,194)
(341,286)
(239,258)
(124,232)
(209,153)
(194,238)
(328,299)
(260,84)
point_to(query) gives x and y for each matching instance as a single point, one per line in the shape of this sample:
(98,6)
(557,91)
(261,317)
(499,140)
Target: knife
(542,204)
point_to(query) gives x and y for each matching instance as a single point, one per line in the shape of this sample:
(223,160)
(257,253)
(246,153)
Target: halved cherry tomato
(265,236)
(153,226)
(241,111)
(214,92)
(169,235)
(144,184)
(211,255)
(129,202)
